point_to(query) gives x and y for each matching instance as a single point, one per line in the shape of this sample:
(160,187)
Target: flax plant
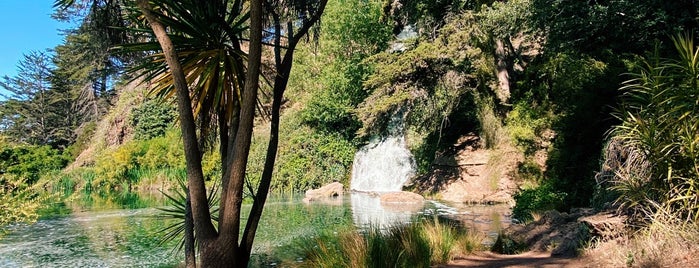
(660,127)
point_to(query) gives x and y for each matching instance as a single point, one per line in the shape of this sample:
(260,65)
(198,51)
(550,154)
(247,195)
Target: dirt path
(528,259)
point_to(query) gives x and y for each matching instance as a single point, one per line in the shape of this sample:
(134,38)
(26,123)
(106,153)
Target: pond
(124,231)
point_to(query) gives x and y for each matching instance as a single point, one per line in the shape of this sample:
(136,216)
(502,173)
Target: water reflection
(107,233)
(368,212)
(117,238)
(487,219)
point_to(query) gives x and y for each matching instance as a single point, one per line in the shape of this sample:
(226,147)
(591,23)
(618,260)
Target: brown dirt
(469,173)
(527,259)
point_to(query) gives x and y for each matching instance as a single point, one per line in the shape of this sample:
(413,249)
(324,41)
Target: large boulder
(334,189)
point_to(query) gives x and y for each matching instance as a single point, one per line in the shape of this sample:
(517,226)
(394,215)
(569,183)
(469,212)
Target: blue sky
(26,25)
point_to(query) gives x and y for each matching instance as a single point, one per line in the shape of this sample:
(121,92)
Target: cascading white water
(385,164)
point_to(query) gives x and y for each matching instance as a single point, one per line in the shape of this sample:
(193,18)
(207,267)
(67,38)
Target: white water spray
(385,164)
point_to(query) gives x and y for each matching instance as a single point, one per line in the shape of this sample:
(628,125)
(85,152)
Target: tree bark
(232,196)
(222,248)
(200,209)
(281,80)
(503,74)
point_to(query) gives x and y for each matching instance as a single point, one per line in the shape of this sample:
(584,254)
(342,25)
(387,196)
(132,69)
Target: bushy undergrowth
(127,164)
(307,157)
(657,158)
(420,244)
(535,200)
(20,200)
(29,162)
(152,118)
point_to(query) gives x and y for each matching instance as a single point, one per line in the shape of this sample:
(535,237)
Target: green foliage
(620,26)
(397,81)
(177,211)
(115,166)
(124,166)
(207,38)
(536,200)
(152,119)
(442,85)
(20,200)
(307,158)
(351,32)
(37,110)
(426,15)
(331,111)
(507,19)
(567,98)
(660,125)
(529,171)
(526,124)
(29,162)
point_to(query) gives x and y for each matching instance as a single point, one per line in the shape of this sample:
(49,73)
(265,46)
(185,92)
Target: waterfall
(385,164)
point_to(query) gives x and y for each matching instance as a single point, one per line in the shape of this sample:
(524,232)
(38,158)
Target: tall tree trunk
(281,80)
(502,68)
(203,226)
(232,196)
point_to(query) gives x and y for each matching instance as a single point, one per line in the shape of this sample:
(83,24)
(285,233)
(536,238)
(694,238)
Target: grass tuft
(420,244)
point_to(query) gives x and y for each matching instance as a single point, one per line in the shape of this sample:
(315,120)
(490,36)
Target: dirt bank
(527,259)
(466,172)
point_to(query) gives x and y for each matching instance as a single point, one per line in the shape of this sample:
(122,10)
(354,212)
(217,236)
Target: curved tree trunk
(283,66)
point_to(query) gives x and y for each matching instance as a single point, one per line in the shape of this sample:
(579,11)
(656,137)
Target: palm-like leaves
(660,119)
(207,37)
(177,212)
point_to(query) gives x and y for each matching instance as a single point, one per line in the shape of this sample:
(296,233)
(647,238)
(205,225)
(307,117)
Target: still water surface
(124,232)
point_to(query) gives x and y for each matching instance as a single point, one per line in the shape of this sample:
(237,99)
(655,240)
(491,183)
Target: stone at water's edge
(401,197)
(334,189)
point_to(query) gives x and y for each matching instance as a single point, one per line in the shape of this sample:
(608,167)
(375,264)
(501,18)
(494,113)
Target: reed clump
(419,244)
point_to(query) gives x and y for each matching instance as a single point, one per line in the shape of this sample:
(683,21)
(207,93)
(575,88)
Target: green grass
(420,244)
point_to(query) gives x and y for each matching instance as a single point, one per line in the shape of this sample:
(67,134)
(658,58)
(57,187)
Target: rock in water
(334,189)
(401,197)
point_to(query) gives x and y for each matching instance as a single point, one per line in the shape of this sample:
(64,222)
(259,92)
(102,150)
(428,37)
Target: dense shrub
(124,166)
(29,162)
(536,200)
(20,200)
(659,135)
(307,158)
(152,119)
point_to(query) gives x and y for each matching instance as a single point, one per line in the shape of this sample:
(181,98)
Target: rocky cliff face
(113,129)
(468,173)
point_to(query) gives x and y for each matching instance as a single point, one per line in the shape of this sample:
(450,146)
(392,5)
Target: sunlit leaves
(660,119)
(207,43)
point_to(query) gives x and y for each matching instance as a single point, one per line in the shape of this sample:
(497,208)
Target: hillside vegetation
(597,99)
